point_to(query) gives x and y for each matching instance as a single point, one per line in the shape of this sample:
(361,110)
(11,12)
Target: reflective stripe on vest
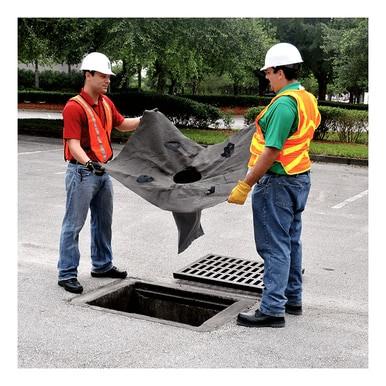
(99,134)
(294,156)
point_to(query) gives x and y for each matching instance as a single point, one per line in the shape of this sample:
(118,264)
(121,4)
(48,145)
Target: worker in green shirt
(279,171)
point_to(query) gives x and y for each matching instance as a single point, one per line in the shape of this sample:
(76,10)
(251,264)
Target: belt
(287,175)
(75,162)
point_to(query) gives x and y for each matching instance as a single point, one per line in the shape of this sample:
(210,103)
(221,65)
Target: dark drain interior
(164,303)
(187,175)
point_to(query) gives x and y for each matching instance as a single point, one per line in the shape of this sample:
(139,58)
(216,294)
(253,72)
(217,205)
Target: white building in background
(366,98)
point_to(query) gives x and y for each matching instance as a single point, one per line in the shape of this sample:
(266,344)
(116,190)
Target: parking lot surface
(53,332)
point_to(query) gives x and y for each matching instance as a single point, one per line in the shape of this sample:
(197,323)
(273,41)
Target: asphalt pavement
(53,332)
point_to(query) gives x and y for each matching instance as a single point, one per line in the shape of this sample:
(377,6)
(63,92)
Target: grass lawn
(339,149)
(328,147)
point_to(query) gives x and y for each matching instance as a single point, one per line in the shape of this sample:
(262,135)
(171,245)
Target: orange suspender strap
(109,117)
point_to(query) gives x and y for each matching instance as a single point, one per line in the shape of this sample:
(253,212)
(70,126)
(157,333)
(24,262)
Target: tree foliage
(179,54)
(346,43)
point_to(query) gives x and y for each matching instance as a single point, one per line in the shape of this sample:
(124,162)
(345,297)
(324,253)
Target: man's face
(275,79)
(99,82)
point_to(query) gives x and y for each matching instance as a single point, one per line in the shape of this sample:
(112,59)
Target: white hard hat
(97,62)
(281,54)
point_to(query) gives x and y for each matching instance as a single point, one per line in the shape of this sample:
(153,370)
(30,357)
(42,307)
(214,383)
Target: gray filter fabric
(176,174)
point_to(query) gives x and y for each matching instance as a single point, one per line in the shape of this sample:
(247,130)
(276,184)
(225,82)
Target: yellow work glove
(239,193)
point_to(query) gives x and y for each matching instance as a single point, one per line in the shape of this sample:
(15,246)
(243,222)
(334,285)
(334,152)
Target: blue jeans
(86,190)
(278,203)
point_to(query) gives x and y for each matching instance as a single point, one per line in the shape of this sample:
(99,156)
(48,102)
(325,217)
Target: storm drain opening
(186,176)
(231,272)
(192,308)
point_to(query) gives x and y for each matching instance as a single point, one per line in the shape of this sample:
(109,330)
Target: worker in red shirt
(88,120)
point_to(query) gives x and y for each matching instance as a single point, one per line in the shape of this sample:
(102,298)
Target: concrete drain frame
(180,305)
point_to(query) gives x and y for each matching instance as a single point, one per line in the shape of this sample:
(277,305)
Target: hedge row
(230,100)
(252,101)
(54,128)
(73,81)
(56,80)
(182,112)
(50,80)
(349,125)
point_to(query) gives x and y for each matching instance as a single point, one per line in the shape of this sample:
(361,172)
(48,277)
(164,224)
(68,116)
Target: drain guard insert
(225,271)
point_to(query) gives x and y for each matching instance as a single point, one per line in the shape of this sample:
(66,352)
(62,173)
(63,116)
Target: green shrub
(230,100)
(25,79)
(55,80)
(51,80)
(349,125)
(53,97)
(181,111)
(228,120)
(342,105)
(251,114)
(252,101)
(41,127)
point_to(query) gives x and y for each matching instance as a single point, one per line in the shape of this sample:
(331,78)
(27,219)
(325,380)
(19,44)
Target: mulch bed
(40,106)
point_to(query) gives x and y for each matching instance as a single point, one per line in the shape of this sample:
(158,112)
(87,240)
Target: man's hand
(239,193)
(95,168)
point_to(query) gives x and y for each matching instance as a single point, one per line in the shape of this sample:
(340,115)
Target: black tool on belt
(95,167)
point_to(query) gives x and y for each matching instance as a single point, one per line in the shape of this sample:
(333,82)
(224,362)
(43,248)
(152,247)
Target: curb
(339,160)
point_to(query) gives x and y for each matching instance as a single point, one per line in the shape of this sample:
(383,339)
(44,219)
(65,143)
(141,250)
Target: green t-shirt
(279,122)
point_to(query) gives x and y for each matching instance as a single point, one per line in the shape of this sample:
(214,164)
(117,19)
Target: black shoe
(113,272)
(258,319)
(293,310)
(71,285)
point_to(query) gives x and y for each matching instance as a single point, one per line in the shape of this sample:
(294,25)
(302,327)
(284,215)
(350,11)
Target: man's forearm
(129,124)
(264,162)
(77,151)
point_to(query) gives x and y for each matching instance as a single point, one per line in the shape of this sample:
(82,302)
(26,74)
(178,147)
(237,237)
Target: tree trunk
(236,88)
(36,74)
(69,68)
(322,89)
(161,77)
(173,86)
(263,84)
(124,82)
(194,86)
(139,70)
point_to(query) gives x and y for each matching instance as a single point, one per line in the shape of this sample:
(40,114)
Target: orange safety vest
(99,134)
(294,155)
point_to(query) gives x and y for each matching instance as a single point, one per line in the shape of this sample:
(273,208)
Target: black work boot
(71,285)
(293,310)
(258,319)
(114,273)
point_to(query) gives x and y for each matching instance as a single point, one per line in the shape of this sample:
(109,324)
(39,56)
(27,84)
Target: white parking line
(38,151)
(351,199)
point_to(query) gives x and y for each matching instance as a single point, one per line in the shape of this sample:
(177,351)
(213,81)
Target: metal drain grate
(225,271)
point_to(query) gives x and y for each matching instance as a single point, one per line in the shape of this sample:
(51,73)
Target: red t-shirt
(75,120)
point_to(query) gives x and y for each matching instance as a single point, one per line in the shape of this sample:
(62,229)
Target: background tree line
(183,55)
